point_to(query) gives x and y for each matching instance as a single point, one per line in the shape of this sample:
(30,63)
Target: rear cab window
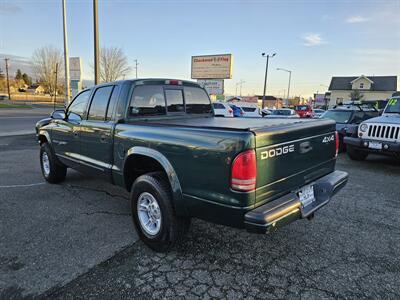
(158,100)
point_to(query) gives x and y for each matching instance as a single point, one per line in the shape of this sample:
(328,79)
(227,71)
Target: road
(76,240)
(21,121)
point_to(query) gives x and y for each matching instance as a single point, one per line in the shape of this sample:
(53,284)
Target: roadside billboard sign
(75,68)
(212,66)
(212,86)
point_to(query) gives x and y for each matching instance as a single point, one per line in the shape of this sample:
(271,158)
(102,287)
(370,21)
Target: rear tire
(52,170)
(151,203)
(356,154)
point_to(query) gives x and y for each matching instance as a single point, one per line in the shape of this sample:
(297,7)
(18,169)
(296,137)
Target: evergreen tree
(18,75)
(27,79)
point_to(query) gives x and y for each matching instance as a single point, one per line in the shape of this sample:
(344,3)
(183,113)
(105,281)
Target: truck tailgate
(289,157)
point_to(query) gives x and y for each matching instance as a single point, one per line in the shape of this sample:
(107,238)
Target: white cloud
(313,39)
(356,19)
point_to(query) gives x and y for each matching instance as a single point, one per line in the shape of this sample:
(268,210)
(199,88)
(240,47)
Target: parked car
(318,112)
(283,113)
(159,139)
(3,97)
(347,118)
(266,112)
(304,111)
(250,110)
(380,135)
(236,110)
(222,109)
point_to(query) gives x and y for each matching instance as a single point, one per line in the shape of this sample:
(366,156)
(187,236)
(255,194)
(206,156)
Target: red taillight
(337,143)
(244,172)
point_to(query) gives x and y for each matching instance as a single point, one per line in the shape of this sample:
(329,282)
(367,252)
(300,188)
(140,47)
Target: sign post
(75,70)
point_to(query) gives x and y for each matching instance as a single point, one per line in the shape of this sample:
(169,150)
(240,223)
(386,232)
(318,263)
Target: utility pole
(266,74)
(8,80)
(96,42)
(136,67)
(66,58)
(241,83)
(55,89)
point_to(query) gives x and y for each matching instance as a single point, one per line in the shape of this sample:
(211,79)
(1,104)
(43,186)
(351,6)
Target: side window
(98,107)
(111,103)
(77,108)
(174,100)
(147,100)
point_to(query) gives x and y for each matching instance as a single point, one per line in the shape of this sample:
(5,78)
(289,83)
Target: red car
(304,111)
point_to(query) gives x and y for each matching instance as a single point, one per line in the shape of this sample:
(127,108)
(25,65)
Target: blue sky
(314,39)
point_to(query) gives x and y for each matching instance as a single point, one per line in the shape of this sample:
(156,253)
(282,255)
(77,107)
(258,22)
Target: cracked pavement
(349,251)
(50,234)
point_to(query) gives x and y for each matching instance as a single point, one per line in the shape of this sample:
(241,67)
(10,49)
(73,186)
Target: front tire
(356,154)
(153,214)
(52,170)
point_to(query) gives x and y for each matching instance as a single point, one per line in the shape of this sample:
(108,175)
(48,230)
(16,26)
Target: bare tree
(44,61)
(113,64)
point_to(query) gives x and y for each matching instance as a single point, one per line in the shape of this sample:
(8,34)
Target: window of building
(361,85)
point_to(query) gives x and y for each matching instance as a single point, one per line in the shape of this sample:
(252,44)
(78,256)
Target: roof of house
(380,83)
(267,97)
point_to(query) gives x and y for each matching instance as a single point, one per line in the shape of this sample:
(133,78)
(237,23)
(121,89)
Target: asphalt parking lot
(76,240)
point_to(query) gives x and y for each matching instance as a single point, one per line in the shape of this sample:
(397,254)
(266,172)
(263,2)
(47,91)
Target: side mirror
(58,114)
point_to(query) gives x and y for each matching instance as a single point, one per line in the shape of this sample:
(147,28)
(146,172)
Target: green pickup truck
(159,139)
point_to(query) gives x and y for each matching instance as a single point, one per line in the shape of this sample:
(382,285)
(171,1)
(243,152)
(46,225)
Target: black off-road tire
(173,228)
(58,171)
(356,154)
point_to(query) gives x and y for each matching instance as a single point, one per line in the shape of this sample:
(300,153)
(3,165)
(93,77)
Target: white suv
(222,109)
(377,135)
(250,110)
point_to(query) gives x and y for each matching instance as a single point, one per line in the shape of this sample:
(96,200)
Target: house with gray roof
(372,88)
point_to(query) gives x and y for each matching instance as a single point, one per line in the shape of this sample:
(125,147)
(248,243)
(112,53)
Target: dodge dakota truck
(159,139)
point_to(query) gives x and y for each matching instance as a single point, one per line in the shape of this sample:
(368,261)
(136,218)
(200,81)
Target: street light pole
(266,74)
(290,77)
(66,58)
(96,42)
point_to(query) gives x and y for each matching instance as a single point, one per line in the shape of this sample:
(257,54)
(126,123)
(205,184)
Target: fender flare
(180,208)
(45,134)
